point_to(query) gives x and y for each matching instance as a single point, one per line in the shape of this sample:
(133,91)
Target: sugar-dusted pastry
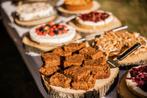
(136,81)
(31,14)
(115,43)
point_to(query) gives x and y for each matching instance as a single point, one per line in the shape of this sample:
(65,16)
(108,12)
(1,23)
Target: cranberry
(94,16)
(139,75)
(51,29)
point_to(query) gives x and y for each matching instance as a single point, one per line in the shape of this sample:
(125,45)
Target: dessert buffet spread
(75,51)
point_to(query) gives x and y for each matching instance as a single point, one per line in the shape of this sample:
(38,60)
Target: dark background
(15,79)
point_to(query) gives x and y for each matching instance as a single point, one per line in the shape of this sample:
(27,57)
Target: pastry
(31,14)
(74,5)
(96,21)
(77,75)
(115,43)
(50,34)
(78,6)
(136,80)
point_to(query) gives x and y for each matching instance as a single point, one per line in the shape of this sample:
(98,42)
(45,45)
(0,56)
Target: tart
(77,76)
(31,14)
(136,80)
(78,6)
(96,21)
(115,43)
(74,5)
(50,35)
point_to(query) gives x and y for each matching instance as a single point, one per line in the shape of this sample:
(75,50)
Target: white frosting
(34,11)
(134,86)
(57,39)
(102,22)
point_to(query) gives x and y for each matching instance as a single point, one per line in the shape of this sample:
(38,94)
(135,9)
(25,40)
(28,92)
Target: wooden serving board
(122,89)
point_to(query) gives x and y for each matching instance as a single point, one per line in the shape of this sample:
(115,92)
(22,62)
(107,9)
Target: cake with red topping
(52,33)
(136,80)
(97,21)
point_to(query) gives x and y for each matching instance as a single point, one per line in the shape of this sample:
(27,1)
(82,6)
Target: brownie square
(66,53)
(97,62)
(76,60)
(60,80)
(47,71)
(78,73)
(74,46)
(51,59)
(87,52)
(97,55)
(100,72)
(58,51)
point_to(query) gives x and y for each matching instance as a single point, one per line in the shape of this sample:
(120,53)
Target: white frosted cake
(52,33)
(27,12)
(31,14)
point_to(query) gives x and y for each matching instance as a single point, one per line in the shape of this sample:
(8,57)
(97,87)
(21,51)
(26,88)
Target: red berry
(51,34)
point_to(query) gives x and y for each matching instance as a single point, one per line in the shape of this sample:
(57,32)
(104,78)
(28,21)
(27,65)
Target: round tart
(96,21)
(31,14)
(78,6)
(136,80)
(77,70)
(52,33)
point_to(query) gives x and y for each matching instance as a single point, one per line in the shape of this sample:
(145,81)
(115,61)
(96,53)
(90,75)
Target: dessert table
(33,61)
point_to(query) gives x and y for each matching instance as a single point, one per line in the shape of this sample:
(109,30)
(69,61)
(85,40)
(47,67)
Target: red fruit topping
(139,75)
(51,29)
(51,23)
(51,34)
(94,16)
(60,32)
